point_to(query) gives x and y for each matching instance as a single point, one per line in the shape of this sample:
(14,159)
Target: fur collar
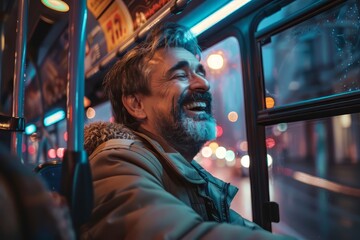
(99,132)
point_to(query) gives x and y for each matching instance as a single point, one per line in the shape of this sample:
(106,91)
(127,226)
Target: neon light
(30,129)
(54,118)
(217,16)
(56,5)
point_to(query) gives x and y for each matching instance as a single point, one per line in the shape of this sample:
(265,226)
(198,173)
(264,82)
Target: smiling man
(146,183)
(178,109)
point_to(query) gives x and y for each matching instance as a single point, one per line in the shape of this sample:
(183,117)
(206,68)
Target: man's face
(179,106)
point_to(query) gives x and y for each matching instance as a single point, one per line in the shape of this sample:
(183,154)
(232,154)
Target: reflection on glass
(315,176)
(222,156)
(319,57)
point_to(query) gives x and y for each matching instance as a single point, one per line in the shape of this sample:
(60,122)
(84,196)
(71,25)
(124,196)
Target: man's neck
(163,143)
(160,140)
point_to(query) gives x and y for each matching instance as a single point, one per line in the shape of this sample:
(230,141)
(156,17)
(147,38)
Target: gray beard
(186,135)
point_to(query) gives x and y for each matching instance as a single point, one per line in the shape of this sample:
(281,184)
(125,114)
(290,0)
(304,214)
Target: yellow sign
(116,24)
(96,7)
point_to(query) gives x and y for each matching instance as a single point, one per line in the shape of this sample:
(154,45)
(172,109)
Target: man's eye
(201,73)
(180,76)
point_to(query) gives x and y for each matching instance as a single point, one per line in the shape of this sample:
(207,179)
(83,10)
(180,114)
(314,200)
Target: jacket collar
(175,161)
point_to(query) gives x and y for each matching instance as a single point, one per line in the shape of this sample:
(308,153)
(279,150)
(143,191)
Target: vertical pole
(19,69)
(76,183)
(75,104)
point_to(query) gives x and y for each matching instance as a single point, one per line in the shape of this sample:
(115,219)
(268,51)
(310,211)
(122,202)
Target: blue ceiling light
(56,5)
(217,16)
(54,118)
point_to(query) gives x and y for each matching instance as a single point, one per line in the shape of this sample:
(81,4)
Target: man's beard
(187,134)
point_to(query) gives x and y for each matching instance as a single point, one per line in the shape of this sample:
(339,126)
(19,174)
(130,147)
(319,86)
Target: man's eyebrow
(178,65)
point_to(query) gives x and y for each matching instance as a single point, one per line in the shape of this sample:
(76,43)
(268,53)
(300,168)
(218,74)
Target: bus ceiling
(113,26)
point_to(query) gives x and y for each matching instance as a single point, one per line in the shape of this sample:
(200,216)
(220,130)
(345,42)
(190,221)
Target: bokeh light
(345,121)
(282,127)
(245,161)
(206,152)
(269,102)
(220,152)
(215,61)
(213,146)
(233,116)
(270,142)
(90,113)
(31,150)
(219,131)
(230,155)
(60,152)
(243,146)
(51,153)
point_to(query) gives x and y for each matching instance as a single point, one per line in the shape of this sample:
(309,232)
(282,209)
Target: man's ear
(134,106)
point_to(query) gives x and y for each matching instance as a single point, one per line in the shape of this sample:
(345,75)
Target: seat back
(31,212)
(50,172)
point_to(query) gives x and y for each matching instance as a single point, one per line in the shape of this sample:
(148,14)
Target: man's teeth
(195,105)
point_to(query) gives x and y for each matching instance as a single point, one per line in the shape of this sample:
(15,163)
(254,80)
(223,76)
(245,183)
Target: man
(146,184)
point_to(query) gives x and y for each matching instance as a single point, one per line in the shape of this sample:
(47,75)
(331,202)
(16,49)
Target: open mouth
(196,105)
(195,108)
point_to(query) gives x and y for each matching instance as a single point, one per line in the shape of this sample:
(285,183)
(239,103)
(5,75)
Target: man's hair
(131,74)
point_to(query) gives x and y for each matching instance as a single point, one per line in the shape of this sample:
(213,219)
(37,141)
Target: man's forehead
(172,55)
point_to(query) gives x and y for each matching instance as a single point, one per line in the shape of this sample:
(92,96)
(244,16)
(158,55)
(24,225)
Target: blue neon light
(30,129)
(54,118)
(217,16)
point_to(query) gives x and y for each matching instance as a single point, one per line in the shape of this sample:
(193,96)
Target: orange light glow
(269,102)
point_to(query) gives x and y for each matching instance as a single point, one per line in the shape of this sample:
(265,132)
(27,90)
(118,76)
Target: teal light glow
(54,118)
(217,16)
(30,129)
(56,5)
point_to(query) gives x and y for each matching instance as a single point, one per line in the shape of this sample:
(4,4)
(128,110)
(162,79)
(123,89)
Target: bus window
(222,156)
(285,12)
(315,176)
(316,58)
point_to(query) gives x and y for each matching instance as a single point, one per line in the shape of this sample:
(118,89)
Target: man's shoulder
(124,155)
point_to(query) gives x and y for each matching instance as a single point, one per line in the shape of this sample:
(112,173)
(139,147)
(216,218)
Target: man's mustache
(195,97)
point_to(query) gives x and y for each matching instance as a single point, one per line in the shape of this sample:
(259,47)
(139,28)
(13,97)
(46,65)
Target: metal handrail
(76,182)
(19,70)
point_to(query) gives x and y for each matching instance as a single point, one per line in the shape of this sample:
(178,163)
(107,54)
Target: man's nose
(199,83)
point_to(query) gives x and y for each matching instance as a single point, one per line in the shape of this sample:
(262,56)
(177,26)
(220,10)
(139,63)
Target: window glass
(315,177)
(285,12)
(316,58)
(44,145)
(222,157)
(49,144)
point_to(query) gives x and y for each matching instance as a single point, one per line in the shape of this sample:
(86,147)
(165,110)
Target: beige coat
(143,192)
